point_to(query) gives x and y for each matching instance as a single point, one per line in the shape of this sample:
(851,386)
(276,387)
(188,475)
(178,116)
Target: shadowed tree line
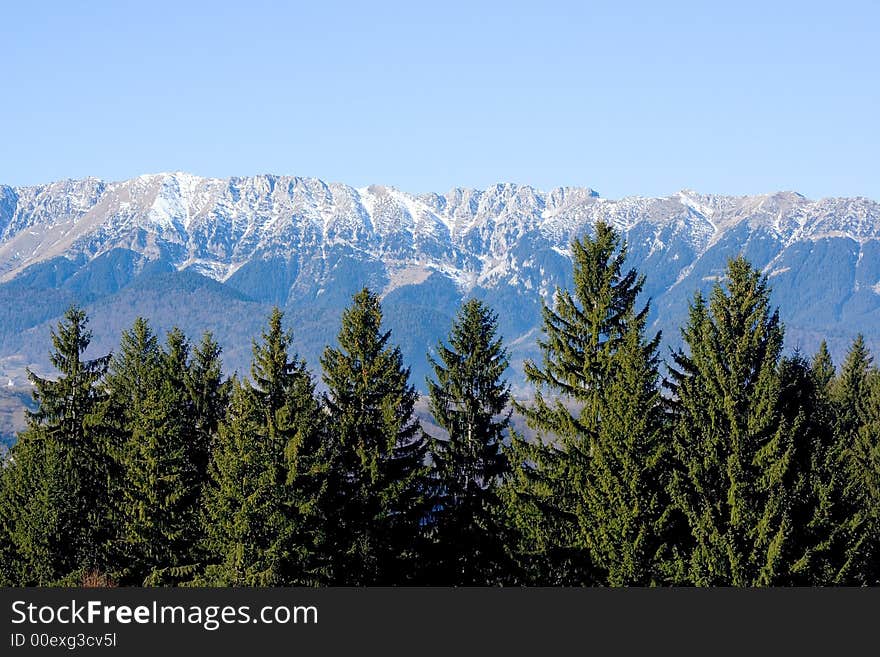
(726,463)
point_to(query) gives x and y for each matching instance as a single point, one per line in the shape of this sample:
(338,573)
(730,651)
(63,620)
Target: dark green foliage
(262,508)
(209,393)
(734,447)
(589,499)
(158,478)
(376,486)
(469,400)
(630,526)
(133,370)
(853,555)
(295,424)
(55,491)
(865,486)
(822,369)
(806,409)
(247,528)
(756,469)
(10,562)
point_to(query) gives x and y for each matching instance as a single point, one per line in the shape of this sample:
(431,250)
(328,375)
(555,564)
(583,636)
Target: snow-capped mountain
(215,254)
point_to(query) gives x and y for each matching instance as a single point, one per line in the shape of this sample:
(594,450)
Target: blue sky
(629,98)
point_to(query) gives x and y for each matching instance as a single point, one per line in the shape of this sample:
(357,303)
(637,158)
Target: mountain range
(217,254)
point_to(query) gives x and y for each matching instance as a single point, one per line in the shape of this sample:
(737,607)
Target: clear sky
(626,97)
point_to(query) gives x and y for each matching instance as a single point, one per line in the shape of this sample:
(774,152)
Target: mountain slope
(216,254)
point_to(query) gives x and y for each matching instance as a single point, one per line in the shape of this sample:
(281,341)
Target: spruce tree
(161,491)
(589,496)
(155,483)
(262,509)
(852,555)
(295,426)
(851,390)
(176,376)
(469,400)
(806,409)
(247,528)
(865,487)
(132,369)
(830,536)
(822,369)
(59,483)
(9,559)
(132,372)
(734,449)
(629,525)
(209,393)
(376,482)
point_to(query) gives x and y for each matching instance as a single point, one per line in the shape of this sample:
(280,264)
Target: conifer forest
(728,462)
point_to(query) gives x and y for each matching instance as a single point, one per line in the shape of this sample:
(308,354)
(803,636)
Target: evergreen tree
(272,370)
(822,369)
(734,448)
(590,495)
(865,486)
(151,416)
(247,528)
(161,491)
(209,393)
(630,527)
(468,400)
(58,484)
(830,536)
(176,376)
(376,482)
(295,426)
(162,409)
(132,372)
(852,554)
(267,530)
(9,558)
(851,391)
(806,409)
(155,485)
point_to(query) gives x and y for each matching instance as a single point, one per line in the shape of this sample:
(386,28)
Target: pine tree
(295,426)
(9,559)
(734,449)
(377,475)
(151,417)
(263,508)
(247,528)
(162,488)
(822,368)
(806,409)
(132,372)
(865,486)
(209,393)
(630,528)
(58,485)
(590,495)
(469,401)
(852,554)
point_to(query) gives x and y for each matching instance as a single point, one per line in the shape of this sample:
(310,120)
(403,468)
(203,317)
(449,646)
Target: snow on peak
(215,224)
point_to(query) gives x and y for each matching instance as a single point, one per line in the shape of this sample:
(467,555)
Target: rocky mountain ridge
(216,254)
